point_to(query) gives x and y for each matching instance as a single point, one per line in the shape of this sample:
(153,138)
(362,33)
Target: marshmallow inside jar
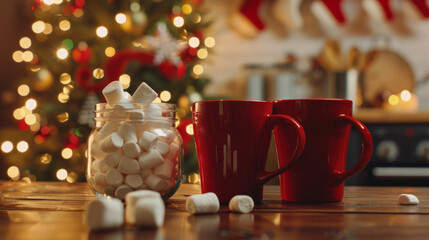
(134,136)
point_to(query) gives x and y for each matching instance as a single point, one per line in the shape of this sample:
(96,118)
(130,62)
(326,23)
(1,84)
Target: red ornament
(22,125)
(172,71)
(81,55)
(36,5)
(73,141)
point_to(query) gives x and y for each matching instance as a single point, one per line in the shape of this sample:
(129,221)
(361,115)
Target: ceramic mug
(319,173)
(232,138)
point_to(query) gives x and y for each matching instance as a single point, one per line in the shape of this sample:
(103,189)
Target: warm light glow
(194,42)
(65,78)
(187,9)
(198,69)
(23,90)
(165,96)
(31,104)
(25,42)
(63,98)
(17,114)
(13,172)
(102,31)
(178,21)
(62,53)
(62,174)
(190,129)
(71,177)
(125,80)
(7,146)
(67,153)
(38,27)
(196,18)
(157,100)
(110,52)
(48,29)
(120,18)
(48,2)
(30,119)
(202,53)
(98,73)
(64,25)
(210,42)
(58,1)
(27,56)
(22,146)
(35,127)
(78,12)
(405,96)
(67,89)
(17,56)
(63,117)
(393,100)
(46,158)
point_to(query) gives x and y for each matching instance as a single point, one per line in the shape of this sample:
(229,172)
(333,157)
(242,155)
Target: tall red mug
(319,173)
(232,138)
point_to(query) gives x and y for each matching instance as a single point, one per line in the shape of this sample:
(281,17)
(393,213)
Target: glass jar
(134,148)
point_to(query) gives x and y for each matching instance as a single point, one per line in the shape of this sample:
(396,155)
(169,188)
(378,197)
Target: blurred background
(54,53)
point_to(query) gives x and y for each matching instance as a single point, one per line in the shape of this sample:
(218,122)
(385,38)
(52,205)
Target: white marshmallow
(131,199)
(128,166)
(112,159)
(107,129)
(113,92)
(96,152)
(173,153)
(133,180)
(153,111)
(109,190)
(126,98)
(202,203)
(100,166)
(131,149)
(143,187)
(114,177)
(164,170)
(145,173)
(136,115)
(111,143)
(150,159)
(408,199)
(241,204)
(157,184)
(149,212)
(148,140)
(103,213)
(165,135)
(162,147)
(128,133)
(144,94)
(99,179)
(122,190)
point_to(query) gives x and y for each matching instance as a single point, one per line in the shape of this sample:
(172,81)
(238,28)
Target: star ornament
(166,47)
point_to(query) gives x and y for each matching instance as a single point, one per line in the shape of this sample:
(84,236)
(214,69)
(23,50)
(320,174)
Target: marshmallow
(173,153)
(165,135)
(157,184)
(131,149)
(131,200)
(109,190)
(100,166)
(107,129)
(143,187)
(149,212)
(150,159)
(103,213)
(111,143)
(99,179)
(114,177)
(113,92)
(95,150)
(122,190)
(144,94)
(241,204)
(136,115)
(112,159)
(128,133)
(408,199)
(128,166)
(133,180)
(153,111)
(162,147)
(126,98)
(145,173)
(164,170)
(202,203)
(148,140)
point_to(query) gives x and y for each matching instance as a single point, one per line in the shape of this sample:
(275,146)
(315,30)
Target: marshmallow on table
(408,199)
(103,213)
(122,190)
(128,133)
(133,180)
(128,166)
(241,204)
(148,140)
(162,147)
(114,177)
(149,212)
(144,94)
(113,92)
(131,149)
(112,159)
(157,184)
(150,159)
(164,170)
(202,203)
(111,143)
(131,200)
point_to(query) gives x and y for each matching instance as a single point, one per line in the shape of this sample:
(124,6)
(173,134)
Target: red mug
(232,138)
(319,173)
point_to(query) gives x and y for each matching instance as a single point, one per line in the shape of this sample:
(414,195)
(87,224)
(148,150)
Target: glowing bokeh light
(178,21)
(67,153)
(190,129)
(31,104)
(13,172)
(194,42)
(120,18)
(110,52)
(64,25)
(38,27)
(23,90)
(210,42)
(102,32)
(165,96)
(25,42)
(7,146)
(405,96)
(198,69)
(62,174)
(393,100)
(22,146)
(62,53)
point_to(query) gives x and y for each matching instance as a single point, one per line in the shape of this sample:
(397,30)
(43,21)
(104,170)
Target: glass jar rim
(168,112)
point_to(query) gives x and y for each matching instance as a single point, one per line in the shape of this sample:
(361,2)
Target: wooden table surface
(52,210)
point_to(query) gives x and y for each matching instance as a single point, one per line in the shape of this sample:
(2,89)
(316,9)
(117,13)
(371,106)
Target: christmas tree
(78,47)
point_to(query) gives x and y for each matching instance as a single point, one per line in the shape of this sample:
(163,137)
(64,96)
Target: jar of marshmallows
(134,144)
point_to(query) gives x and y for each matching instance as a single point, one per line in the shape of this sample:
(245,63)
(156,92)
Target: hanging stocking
(247,21)
(86,113)
(415,9)
(379,10)
(328,12)
(288,13)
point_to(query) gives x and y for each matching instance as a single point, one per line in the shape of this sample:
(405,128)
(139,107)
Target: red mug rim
(313,100)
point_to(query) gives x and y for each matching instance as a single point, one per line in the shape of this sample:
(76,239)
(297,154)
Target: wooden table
(50,210)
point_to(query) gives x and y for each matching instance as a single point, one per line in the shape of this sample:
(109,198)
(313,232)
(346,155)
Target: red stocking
(247,21)
(422,7)
(379,9)
(329,12)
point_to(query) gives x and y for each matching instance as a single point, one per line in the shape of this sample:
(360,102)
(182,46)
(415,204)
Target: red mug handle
(270,123)
(365,156)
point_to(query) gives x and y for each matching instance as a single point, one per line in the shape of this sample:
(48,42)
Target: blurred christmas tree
(77,48)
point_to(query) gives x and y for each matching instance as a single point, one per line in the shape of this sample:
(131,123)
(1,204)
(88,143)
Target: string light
(22,146)
(65,78)
(110,52)
(187,9)
(196,18)
(190,129)
(17,56)
(23,90)
(63,117)
(198,69)
(67,153)
(71,177)
(405,96)
(178,21)
(30,119)
(125,80)
(98,73)
(67,89)
(62,53)
(64,25)
(27,56)
(48,2)
(38,27)
(120,18)
(62,174)
(165,96)
(17,114)
(194,42)
(48,29)
(63,98)
(78,13)
(209,42)
(393,100)
(7,146)
(46,158)
(157,100)
(102,32)
(25,42)
(13,172)
(202,53)
(31,104)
